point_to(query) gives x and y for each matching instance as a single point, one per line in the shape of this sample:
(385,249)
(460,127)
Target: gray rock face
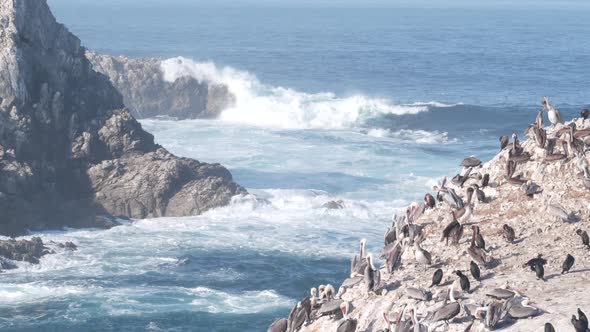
(69,149)
(147,94)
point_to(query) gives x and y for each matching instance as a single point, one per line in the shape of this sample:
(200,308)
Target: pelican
(418,294)
(503,142)
(449,311)
(553,114)
(501,293)
(464,213)
(347,324)
(584,114)
(454,227)
(422,256)
(476,253)
(522,310)
(279,325)
(417,326)
(393,256)
(358,263)
(481,196)
(479,241)
(429,201)
(470,162)
(372,276)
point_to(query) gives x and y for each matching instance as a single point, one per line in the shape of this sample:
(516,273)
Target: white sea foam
(278,107)
(215,301)
(416,136)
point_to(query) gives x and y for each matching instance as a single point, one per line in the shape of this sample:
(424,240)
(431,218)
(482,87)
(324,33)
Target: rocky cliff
(69,149)
(536,202)
(146,93)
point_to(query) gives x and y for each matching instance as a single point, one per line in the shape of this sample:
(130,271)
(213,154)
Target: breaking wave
(261,105)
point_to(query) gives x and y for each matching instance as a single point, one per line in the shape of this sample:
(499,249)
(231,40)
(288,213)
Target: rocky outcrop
(69,149)
(542,193)
(147,94)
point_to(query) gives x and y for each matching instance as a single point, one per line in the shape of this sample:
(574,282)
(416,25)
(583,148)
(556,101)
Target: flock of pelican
(504,304)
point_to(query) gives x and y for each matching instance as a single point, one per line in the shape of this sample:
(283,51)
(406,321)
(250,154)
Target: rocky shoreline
(71,153)
(538,188)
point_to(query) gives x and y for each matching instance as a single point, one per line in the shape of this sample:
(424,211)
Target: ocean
(370,103)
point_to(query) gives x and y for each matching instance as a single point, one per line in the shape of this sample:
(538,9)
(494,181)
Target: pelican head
(370,261)
(345,308)
(313,292)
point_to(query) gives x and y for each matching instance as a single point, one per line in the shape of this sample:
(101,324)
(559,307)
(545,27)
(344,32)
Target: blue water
(370,104)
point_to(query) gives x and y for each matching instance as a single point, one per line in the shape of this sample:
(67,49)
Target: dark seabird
(508,233)
(465,285)
(580,324)
(474,270)
(470,162)
(585,239)
(371,275)
(540,271)
(279,325)
(549,328)
(485,180)
(539,260)
(347,324)
(437,277)
(429,201)
(451,228)
(479,241)
(390,236)
(481,196)
(567,264)
(503,142)
(584,114)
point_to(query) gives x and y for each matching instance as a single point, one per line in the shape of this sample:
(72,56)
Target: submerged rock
(70,150)
(23,250)
(334,205)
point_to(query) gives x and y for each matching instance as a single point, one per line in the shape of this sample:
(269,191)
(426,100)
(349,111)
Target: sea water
(370,103)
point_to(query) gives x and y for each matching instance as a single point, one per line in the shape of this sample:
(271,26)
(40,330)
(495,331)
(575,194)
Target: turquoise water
(366,104)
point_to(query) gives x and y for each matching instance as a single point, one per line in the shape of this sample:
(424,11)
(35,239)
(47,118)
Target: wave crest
(258,104)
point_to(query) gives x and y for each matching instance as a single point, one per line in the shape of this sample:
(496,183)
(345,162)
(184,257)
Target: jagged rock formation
(549,216)
(147,94)
(69,149)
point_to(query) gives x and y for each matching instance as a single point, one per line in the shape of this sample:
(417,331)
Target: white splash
(277,107)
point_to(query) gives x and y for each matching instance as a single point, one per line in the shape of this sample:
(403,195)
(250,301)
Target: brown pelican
(372,276)
(538,134)
(474,269)
(448,195)
(422,256)
(494,313)
(584,114)
(418,294)
(509,234)
(465,285)
(503,142)
(521,310)
(429,201)
(470,162)
(351,282)
(501,293)
(347,324)
(279,325)
(358,263)
(464,214)
(476,253)
(417,326)
(510,168)
(390,236)
(393,255)
(298,318)
(585,239)
(515,149)
(567,264)
(330,308)
(449,311)
(437,277)
(557,211)
(454,229)
(553,114)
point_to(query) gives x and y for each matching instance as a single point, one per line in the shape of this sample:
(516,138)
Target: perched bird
(549,327)
(567,264)
(437,277)
(553,114)
(540,271)
(532,262)
(481,196)
(422,256)
(479,241)
(585,239)
(429,201)
(347,324)
(454,227)
(580,324)
(448,311)
(508,233)
(372,276)
(465,285)
(485,180)
(584,114)
(475,270)
(530,188)
(470,162)
(503,142)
